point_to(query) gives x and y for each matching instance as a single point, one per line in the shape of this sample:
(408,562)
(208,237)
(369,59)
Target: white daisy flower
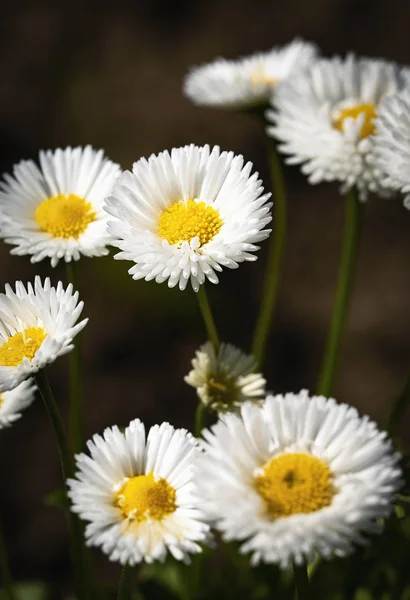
(226,380)
(183,215)
(14,401)
(139,495)
(392,142)
(297,477)
(325,119)
(248,81)
(37,324)
(55,210)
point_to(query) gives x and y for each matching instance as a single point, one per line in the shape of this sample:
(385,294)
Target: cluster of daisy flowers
(291,477)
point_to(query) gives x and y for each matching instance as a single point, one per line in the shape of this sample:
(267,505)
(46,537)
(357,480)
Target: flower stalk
(352,235)
(275,253)
(76,411)
(77,551)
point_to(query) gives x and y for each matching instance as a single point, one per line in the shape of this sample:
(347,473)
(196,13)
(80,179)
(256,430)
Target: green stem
(125,585)
(5,568)
(199,418)
(67,468)
(276,246)
(76,413)
(353,227)
(399,407)
(300,576)
(207,317)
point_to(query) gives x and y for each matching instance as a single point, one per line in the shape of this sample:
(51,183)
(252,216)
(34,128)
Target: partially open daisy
(392,142)
(183,215)
(139,495)
(247,81)
(324,118)
(227,379)
(14,401)
(37,324)
(55,210)
(297,477)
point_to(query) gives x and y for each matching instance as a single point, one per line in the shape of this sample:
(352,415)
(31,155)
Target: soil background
(110,74)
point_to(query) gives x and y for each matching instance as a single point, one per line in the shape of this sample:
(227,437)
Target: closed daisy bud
(248,81)
(324,119)
(139,495)
(54,210)
(297,477)
(37,324)
(183,215)
(14,401)
(226,379)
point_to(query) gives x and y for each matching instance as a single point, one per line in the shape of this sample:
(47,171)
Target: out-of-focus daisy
(248,81)
(139,495)
(55,210)
(182,215)
(14,401)
(392,142)
(37,324)
(297,477)
(325,119)
(227,379)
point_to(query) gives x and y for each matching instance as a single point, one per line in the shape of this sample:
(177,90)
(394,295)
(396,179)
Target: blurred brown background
(109,74)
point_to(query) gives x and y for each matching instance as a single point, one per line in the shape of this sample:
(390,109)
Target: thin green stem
(352,234)
(207,317)
(5,568)
(125,585)
(67,468)
(399,407)
(199,418)
(76,413)
(300,576)
(276,246)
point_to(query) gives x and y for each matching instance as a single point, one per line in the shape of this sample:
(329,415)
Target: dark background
(110,74)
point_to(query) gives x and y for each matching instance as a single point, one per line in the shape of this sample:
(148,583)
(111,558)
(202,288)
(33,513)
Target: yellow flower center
(222,391)
(23,344)
(65,216)
(1,399)
(261,77)
(143,497)
(353,112)
(185,220)
(295,483)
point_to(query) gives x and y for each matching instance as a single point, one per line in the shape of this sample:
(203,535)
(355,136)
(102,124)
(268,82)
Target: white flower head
(14,401)
(324,118)
(54,210)
(227,379)
(392,142)
(139,495)
(183,215)
(37,324)
(249,81)
(298,477)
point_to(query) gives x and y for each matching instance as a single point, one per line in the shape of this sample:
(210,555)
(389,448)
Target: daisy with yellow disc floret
(37,324)
(183,215)
(248,81)
(224,380)
(324,118)
(298,477)
(54,210)
(14,401)
(139,495)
